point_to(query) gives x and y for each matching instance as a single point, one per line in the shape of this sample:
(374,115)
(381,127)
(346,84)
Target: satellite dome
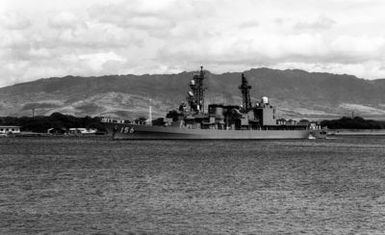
(265,100)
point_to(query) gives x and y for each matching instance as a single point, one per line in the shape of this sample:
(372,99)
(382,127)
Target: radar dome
(265,100)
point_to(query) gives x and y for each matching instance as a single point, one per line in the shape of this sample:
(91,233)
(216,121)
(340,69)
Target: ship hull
(129,131)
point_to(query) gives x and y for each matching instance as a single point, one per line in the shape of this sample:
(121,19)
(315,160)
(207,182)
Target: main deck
(132,131)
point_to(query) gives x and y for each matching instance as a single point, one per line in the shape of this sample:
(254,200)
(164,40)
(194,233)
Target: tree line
(58,120)
(41,124)
(353,123)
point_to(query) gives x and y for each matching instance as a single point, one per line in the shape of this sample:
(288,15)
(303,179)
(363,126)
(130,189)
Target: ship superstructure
(261,115)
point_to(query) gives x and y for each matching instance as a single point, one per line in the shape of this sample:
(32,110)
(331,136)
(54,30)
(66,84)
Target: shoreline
(356,132)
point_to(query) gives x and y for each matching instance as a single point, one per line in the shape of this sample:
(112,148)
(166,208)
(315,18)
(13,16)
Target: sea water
(86,185)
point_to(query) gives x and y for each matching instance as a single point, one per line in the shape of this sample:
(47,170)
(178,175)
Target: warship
(191,121)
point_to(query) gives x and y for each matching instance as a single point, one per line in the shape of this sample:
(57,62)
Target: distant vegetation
(353,123)
(57,120)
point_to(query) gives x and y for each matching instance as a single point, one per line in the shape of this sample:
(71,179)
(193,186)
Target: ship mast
(196,95)
(150,114)
(245,89)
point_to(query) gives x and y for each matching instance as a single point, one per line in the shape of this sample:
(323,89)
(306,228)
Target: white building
(9,129)
(82,131)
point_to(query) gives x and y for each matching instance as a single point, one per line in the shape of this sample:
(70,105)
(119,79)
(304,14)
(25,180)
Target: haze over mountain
(296,93)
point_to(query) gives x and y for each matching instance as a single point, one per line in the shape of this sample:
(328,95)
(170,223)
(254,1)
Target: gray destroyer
(191,121)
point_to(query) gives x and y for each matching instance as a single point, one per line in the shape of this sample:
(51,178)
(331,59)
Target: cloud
(97,60)
(359,49)
(95,36)
(39,53)
(66,20)
(320,23)
(153,16)
(133,15)
(10,39)
(14,21)
(50,38)
(249,24)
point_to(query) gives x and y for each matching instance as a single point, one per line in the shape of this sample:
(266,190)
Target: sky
(46,38)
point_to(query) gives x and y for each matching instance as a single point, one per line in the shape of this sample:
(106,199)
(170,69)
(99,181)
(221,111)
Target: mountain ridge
(296,93)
